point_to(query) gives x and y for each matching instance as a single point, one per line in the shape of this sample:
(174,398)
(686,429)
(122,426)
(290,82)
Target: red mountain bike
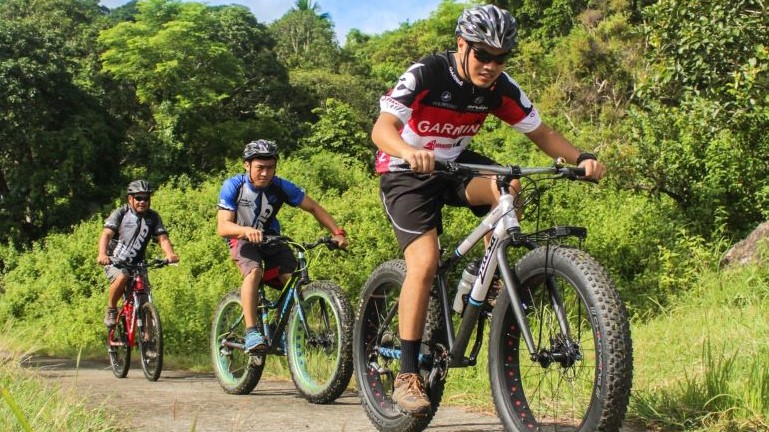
(138,324)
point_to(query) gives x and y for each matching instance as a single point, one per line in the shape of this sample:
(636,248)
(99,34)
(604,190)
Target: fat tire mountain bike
(138,324)
(559,346)
(310,322)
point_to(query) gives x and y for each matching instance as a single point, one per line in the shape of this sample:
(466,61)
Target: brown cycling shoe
(410,394)
(110,317)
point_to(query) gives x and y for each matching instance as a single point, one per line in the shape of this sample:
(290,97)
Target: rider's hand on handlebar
(421,161)
(172,258)
(102,259)
(253,235)
(593,169)
(341,240)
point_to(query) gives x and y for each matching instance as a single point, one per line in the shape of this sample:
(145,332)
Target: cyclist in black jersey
(126,234)
(431,114)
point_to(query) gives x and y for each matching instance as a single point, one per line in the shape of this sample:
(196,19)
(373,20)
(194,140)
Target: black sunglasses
(142,197)
(484,56)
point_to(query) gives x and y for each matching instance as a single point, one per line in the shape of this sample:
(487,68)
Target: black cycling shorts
(413,202)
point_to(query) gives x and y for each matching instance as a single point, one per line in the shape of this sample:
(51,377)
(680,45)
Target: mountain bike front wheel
(236,371)
(151,341)
(377,345)
(118,348)
(319,342)
(581,375)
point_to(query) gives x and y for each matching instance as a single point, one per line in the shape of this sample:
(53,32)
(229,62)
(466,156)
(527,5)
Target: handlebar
(327,241)
(512,171)
(153,263)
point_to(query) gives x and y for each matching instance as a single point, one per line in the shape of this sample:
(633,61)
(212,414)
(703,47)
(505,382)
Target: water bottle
(464,286)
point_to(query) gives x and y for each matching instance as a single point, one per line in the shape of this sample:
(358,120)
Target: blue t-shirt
(258,208)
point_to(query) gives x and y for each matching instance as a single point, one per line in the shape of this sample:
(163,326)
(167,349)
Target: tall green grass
(704,365)
(28,403)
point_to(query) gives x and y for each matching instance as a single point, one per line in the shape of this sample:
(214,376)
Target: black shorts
(249,256)
(413,202)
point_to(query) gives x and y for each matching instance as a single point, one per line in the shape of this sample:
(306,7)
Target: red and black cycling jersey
(441,112)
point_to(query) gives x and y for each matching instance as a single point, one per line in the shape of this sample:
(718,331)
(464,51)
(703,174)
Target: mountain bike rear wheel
(580,381)
(376,364)
(118,348)
(320,342)
(150,336)
(236,371)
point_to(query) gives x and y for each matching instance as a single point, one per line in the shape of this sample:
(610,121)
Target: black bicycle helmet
(139,186)
(490,25)
(260,149)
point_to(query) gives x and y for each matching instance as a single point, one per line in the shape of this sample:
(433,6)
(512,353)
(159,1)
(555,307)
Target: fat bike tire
(587,389)
(319,342)
(236,371)
(374,372)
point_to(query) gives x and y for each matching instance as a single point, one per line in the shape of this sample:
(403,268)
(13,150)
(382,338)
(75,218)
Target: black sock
(410,356)
(252,329)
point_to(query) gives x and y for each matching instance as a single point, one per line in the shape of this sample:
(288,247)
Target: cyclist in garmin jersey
(431,114)
(248,209)
(126,234)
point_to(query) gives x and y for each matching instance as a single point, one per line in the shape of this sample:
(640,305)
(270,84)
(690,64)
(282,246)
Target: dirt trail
(185,401)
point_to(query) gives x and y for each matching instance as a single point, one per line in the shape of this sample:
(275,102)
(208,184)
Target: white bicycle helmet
(490,25)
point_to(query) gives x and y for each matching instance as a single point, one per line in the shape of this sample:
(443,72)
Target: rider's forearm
(554,144)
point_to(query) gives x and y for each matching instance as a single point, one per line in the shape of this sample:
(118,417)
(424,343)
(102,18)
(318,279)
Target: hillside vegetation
(673,95)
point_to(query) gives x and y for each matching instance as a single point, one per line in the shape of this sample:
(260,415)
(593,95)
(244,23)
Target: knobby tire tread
(334,297)
(590,279)
(390,275)
(252,373)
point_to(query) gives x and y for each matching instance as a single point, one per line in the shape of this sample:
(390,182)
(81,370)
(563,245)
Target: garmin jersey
(133,232)
(441,112)
(258,208)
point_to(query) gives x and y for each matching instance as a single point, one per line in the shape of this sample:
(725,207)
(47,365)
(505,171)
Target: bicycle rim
(320,344)
(375,366)
(151,342)
(570,391)
(118,348)
(235,370)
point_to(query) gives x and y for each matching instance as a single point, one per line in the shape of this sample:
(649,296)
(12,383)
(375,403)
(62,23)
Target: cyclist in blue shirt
(248,207)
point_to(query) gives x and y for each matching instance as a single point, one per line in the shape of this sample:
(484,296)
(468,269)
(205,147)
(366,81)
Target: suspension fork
(513,287)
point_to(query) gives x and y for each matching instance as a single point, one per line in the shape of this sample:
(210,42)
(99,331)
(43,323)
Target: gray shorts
(112,272)
(249,256)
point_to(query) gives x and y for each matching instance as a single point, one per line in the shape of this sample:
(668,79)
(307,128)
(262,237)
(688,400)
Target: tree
(207,75)
(699,130)
(306,40)
(56,138)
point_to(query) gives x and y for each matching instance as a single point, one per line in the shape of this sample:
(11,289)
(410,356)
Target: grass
(27,403)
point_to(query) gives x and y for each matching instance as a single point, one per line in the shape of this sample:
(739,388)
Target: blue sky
(368,16)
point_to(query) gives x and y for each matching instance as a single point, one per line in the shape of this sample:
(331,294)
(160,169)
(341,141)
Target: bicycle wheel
(375,373)
(581,382)
(236,371)
(151,342)
(118,347)
(320,343)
